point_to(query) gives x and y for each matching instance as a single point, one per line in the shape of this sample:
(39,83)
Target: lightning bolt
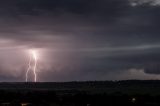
(35,65)
(33,57)
(29,66)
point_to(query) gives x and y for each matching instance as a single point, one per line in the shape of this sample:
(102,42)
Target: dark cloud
(153,68)
(80,39)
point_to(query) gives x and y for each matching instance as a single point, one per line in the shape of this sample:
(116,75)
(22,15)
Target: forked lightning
(33,67)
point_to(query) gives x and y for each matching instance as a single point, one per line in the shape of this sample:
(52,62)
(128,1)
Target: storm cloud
(80,39)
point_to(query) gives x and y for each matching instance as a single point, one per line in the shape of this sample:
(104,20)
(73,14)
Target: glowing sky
(80,39)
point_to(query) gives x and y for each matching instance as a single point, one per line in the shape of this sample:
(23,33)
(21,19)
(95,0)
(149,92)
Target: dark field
(96,93)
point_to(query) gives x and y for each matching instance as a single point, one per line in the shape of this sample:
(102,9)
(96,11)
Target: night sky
(79,40)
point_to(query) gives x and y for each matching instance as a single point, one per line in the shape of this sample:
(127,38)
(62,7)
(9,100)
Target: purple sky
(79,40)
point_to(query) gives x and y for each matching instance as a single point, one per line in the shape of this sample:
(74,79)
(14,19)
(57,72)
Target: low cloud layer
(145,2)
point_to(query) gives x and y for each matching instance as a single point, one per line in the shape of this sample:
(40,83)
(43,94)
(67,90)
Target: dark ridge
(126,87)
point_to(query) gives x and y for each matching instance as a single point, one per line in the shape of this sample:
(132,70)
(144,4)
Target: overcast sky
(78,40)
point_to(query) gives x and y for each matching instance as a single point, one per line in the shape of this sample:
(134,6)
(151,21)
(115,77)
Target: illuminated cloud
(137,74)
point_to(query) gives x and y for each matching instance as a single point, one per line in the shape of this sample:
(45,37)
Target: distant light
(133,100)
(25,104)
